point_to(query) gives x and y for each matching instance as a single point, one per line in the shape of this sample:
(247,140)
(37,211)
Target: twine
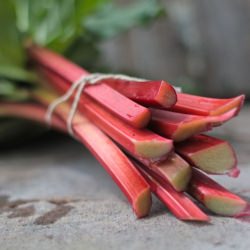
(78,86)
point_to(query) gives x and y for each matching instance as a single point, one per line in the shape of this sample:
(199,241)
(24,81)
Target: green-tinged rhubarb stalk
(214,196)
(210,154)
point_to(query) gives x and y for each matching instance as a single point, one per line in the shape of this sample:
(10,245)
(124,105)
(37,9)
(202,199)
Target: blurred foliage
(71,27)
(105,25)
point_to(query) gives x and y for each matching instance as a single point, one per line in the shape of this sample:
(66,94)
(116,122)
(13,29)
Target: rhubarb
(147,93)
(178,126)
(174,170)
(124,108)
(127,110)
(111,158)
(159,94)
(214,196)
(140,142)
(178,203)
(117,165)
(29,111)
(199,105)
(210,154)
(145,134)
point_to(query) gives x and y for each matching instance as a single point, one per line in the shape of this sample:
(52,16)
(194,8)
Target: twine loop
(78,87)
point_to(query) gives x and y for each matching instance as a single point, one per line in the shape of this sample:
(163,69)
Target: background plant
(71,27)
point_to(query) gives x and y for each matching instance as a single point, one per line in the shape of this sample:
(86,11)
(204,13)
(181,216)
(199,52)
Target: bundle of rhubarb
(147,136)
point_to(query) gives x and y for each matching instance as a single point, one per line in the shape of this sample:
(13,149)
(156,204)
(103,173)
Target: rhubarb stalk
(174,170)
(214,196)
(178,126)
(178,203)
(159,94)
(29,111)
(210,154)
(144,145)
(199,105)
(112,159)
(124,108)
(140,142)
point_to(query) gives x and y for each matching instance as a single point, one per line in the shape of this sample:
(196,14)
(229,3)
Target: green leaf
(71,26)
(17,74)
(6,88)
(84,52)
(112,20)
(11,51)
(53,23)
(9,91)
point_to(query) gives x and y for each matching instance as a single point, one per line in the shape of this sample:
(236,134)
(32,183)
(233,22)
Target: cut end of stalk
(177,171)
(210,154)
(236,102)
(166,95)
(177,202)
(225,206)
(178,177)
(143,204)
(182,178)
(189,129)
(153,149)
(215,197)
(219,159)
(179,126)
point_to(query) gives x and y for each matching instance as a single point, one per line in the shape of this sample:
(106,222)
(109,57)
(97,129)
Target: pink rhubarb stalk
(159,94)
(214,196)
(124,108)
(142,143)
(115,162)
(139,142)
(117,165)
(30,111)
(210,154)
(174,170)
(199,105)
(179,127)
(132,113)
(178,203)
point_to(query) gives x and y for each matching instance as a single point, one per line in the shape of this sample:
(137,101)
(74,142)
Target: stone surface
(54,195)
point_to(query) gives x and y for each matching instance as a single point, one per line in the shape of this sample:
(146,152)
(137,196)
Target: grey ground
(56,196)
